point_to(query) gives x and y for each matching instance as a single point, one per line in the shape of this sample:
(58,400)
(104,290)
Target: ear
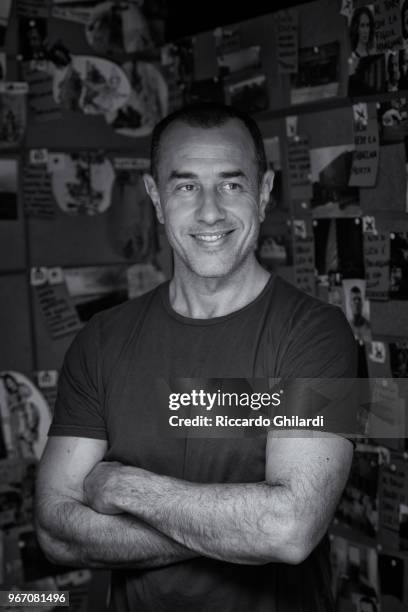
(152,190)
(265,192)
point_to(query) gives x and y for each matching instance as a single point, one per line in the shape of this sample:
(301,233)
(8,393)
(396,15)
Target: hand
(99,487)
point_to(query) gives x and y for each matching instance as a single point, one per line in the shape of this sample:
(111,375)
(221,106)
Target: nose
(210,209)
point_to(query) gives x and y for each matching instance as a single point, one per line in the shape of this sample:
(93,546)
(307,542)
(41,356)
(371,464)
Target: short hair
(404,8)
(208,115)
(355,23)
(355,289)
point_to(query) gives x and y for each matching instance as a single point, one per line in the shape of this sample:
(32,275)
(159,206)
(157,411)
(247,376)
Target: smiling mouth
(211,237)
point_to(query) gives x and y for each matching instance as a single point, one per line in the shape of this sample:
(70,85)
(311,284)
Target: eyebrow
(175,174)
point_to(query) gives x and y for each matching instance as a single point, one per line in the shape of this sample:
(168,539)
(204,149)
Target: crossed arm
(104,514)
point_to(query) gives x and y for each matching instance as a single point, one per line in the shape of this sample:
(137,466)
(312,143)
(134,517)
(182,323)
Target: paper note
(387,20)
(377,264)
(299,168)
(304,264)
(54,301)
(37,191)
(287,41)
(364,167)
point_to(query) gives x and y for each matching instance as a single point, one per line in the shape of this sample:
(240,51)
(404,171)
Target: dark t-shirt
(109,387)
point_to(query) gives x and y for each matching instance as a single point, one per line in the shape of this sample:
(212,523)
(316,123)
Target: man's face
(356,303)
(208,196)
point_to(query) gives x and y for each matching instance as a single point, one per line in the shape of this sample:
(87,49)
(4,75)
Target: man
(198,523)
(359,323)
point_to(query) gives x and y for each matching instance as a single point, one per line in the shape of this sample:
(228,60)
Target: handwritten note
(287,41)
(299,168)
(41,103)
(377,263)
(364,167)
(37,192)
(304,264)
(52,296)
(387,25)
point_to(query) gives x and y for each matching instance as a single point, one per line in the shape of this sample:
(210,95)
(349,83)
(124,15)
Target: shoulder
(113,326)
(316,338)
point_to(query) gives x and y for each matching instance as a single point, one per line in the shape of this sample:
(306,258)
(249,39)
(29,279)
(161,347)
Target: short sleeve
(320,345)
(79,406)
(319,370)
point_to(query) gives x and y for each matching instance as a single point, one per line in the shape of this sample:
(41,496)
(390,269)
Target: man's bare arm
(281,519)
(72,533)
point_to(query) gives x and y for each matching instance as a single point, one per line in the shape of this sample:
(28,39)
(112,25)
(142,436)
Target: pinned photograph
(393,120)
(131,223)
(13,115)
(146,104)
(81,182)
(317,76)
(8,189)
(93,85)
(249,95)
(377,352)
(362,32)
(399,266)
(339,247)
(117,27)
(367,70)
(177,65)
(399,360)
(273,157)
(239,61)
(357,308)
(330,175)
(28,413)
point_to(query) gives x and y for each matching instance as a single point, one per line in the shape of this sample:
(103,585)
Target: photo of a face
(357,308)
(362,31)
(81,182)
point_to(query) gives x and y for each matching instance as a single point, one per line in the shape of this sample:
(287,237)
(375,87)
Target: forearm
(239,523)
(71,533)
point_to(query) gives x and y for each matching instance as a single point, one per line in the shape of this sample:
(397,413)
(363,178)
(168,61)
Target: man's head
(356,300)
(206,116)
(210,186)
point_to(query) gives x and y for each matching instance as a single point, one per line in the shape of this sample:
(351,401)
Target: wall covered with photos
(82,84)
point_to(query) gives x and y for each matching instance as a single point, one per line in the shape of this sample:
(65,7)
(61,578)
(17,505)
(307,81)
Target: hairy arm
(72,533)
(281,519)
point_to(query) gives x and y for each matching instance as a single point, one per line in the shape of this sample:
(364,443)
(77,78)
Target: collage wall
(81,86)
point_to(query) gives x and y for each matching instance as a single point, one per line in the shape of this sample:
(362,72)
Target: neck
(204,298)
(362,49)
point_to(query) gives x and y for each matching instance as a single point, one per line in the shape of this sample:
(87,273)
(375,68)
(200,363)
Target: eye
(231,186)
(186,187)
